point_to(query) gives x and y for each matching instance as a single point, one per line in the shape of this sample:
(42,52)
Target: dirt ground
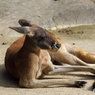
(83,38)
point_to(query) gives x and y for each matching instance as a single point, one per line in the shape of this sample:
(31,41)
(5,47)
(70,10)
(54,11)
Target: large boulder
(50,14)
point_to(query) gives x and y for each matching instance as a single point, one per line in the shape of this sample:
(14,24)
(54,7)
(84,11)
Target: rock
(73,43)
(50,14)
(1,34)
(4,43)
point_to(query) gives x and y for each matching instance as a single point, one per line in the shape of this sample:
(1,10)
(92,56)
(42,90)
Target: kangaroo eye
(41,37)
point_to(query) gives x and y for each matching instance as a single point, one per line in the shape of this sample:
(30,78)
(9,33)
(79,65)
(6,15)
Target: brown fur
(27,59)
(72,55)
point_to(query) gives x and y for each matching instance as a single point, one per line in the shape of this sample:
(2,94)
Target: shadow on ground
(6,80)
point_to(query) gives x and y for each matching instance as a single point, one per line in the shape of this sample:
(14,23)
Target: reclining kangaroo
(68,54)
(28,58)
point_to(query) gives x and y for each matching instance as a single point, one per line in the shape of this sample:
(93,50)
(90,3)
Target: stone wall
(50,14)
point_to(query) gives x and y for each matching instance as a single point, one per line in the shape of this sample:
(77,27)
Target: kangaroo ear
(24,22)
(23,30)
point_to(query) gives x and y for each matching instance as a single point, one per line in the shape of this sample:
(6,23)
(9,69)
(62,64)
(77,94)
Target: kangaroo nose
(57,45)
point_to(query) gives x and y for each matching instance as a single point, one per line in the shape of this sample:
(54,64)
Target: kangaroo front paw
(80,84)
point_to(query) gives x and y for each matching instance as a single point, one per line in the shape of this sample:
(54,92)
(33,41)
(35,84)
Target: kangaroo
(28,58)
(68,54)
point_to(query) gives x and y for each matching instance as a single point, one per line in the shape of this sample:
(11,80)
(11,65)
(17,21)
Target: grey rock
(49,14)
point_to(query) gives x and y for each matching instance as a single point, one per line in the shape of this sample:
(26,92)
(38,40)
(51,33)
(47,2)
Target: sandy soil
(83,40)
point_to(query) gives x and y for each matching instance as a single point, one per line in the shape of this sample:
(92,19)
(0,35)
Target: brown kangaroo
(28,58)
(67,54)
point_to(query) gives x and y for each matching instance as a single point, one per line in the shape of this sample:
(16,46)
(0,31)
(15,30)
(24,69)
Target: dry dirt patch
(84,40)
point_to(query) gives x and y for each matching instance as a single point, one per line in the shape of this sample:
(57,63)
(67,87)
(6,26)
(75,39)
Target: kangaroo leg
(65,57)
(85,56)
(45,83)
(70,59)
(29,78)
(72,55)
(66,69)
